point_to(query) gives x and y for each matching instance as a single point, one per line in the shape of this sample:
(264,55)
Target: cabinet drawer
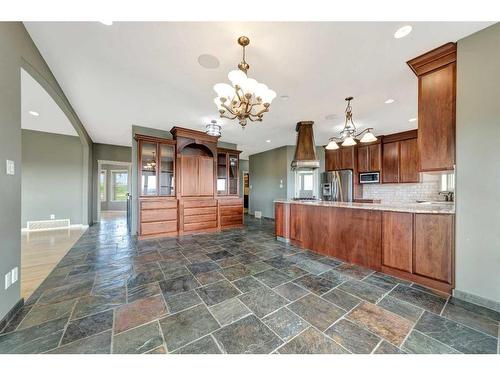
(200,203)
(158,227)
(228,220)
(198,226)
(162,214)
(230,202)
(199,211)
(199,218)
(231,210)
(156,204)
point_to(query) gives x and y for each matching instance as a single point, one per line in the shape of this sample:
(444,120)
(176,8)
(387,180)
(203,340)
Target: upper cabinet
(400,158)
(342,158)
(227,171)
(156,167)
(369,158)
(436,72)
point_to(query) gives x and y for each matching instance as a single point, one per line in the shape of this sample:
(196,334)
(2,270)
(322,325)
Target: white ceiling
(51,118)
(147,74)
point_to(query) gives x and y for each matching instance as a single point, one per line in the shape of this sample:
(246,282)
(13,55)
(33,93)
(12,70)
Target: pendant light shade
(332,145)
(368,137)
(349,141)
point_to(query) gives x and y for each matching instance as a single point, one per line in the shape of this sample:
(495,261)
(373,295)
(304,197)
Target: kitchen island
(411,241)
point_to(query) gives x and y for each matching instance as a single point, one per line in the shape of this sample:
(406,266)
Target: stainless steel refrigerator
(337,186)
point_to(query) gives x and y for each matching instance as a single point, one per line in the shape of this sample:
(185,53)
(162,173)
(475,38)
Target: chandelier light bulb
(368,137)
(332,145)
(268,96)
(260,90)
(237,77)
(224,90)
(249,85)
(349,141)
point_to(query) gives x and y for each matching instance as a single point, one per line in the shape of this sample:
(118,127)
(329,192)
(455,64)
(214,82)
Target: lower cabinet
(158,217)
(198,215)
(419,247)
(230,212)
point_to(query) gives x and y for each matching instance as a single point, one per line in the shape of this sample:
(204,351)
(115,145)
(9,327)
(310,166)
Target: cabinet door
(363,159)
(433,254)
(296,222)
(397,240)
(374,156)
(189,168)
(206,175)
(390,162)
(233,174)
(332,160)
(436,119)
(408,159)
(347,157)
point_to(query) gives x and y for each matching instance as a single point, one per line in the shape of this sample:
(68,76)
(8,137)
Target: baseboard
(481,301)
(72,226)
(12,312)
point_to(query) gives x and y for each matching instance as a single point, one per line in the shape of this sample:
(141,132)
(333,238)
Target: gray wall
(478,165)
(52,175)
(102,151)
(109,205)
(267,169)
(17,51)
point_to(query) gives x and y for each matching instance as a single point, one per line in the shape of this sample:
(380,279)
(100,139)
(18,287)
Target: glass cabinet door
(148,169)
(166,170)
(233,174)
(221,174)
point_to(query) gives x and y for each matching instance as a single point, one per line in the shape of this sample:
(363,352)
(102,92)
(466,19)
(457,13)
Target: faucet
(448,195)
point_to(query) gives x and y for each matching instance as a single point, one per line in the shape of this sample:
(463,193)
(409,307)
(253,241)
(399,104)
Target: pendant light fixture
(245,99)
(349,136)
(213,129)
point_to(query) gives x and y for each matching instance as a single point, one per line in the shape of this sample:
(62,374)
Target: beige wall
(478,166)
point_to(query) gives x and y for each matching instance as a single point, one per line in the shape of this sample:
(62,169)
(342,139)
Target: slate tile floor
(239,291)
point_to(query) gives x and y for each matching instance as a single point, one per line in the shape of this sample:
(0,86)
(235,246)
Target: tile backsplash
(428,189)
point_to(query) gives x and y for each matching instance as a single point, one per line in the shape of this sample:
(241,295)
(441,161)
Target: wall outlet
(8,279)
(14,274)
(10,167)
(52,216)
(281,184)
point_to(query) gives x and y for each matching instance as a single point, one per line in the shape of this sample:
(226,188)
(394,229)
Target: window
(119,185)
(102,186)
(306,183)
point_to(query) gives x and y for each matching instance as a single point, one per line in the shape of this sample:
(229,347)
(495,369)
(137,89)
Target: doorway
(113,188)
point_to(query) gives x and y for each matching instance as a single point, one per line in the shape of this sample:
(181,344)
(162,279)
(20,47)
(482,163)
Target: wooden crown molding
(435,59)
(193,134)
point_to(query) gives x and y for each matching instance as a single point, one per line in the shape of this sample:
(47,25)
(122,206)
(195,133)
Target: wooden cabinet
(197,176)
(397,240)
(343,158)
(227,172)
(157,216)
(369,158)
(198,215)
(205,176)
(433,256)
(436,72)
(400,158)
(230,212)
(347,157)
(390,162)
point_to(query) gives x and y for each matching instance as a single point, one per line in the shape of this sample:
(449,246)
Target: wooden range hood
(305,151)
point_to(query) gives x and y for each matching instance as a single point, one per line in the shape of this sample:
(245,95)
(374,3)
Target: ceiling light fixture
(208,61)
(268,140)
(246,99)
(107,23)
(413,119)
(34,113)
(213,129)
(284,97)
(403,31)
(348,135)
(389,101)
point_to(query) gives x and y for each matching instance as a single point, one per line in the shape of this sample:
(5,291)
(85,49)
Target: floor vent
(48,224)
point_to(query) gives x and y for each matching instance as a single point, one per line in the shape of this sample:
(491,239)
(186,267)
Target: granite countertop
(419,208)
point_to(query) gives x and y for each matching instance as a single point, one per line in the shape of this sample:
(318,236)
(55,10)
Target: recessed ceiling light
(413,119)
(107,23)
(402,32)
(208,61)
(268,140)
(284,97)
(389,101)
(34,113)
(331,116)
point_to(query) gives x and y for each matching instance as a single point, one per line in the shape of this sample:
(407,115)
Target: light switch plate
(10,167)
(7,280)
(15,274)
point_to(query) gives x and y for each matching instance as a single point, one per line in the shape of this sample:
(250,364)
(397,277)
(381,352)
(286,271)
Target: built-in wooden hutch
(187,185)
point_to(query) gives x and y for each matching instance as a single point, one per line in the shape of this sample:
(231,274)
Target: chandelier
(246,99)
(349,135)
(213,129)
